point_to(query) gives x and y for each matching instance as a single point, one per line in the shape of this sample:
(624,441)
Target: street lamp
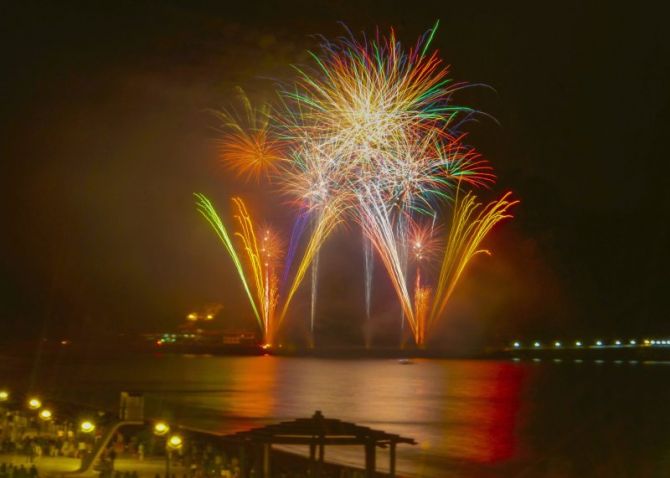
(45,414)
(34,403)
(161,428)
(4,395)
(173,443)
(87,426)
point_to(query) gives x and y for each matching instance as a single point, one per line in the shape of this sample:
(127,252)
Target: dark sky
(107,131)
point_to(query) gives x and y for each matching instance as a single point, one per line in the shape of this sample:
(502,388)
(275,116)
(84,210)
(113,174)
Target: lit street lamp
(34,403)
(173,443)
(87,426)
(45,414)
(161,428)
(4,395)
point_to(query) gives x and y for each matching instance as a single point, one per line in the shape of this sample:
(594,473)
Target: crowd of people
(10,470)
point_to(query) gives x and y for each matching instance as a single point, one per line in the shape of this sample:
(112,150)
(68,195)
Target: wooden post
(243,462)
(312,458)
(392,460)
(267,449)
(258,461)
(370,456)
(319,466)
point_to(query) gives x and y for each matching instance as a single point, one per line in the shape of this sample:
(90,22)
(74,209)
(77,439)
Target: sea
(470,418)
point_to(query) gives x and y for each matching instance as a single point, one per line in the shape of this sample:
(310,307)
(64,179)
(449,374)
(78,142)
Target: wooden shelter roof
(318,429)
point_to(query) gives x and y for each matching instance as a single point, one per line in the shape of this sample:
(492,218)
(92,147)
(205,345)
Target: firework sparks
(470,225)
(248,146)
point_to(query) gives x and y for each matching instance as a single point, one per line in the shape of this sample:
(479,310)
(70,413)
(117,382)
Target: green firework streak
(206,208)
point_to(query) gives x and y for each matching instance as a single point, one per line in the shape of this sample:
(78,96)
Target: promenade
(36,442)
(65,466)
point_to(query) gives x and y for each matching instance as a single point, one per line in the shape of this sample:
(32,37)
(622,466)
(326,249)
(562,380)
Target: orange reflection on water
(251,390)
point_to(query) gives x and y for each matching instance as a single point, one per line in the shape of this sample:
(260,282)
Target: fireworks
(469,227)
(369,134)
(247,146)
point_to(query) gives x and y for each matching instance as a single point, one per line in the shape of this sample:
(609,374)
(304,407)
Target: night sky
(107,130)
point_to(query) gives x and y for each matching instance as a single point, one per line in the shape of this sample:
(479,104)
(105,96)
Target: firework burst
(370,134)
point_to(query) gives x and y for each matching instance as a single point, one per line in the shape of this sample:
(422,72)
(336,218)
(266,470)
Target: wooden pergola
(315,432)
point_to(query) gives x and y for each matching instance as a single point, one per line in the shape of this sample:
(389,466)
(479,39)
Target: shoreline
(107,350)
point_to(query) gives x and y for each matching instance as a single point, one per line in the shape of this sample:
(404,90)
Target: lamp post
(45,415)
(173,443)
(4,398)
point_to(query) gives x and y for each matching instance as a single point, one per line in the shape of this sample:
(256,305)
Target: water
(471,418)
